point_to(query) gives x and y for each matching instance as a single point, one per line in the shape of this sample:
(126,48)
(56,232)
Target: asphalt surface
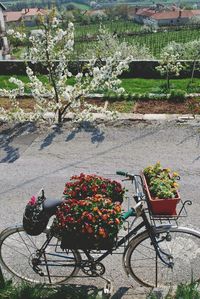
(32,157)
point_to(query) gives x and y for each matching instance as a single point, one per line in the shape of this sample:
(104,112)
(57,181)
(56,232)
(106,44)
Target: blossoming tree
(108,43)
(52,47)
(192,52)
(169,64)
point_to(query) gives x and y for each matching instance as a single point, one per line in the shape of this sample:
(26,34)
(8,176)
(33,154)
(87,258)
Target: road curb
(142,117)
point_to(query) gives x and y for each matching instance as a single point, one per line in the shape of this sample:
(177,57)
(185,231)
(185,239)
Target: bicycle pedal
(108,289)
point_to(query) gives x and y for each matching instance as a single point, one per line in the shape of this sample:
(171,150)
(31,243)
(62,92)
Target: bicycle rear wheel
(145,266)
(18,251)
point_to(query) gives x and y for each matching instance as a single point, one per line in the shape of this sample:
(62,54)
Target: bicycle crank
(92,268)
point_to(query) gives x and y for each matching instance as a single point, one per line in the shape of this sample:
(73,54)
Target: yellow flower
(175,184)
(175,174)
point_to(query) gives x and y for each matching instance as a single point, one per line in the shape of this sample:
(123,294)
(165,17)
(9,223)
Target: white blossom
(54,97)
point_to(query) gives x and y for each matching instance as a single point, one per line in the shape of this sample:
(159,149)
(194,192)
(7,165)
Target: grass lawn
(131,85)
(142,86)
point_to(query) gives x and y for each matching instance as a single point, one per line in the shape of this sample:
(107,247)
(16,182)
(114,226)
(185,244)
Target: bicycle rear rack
(170,219)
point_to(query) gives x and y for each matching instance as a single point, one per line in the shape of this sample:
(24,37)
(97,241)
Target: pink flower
(32,201)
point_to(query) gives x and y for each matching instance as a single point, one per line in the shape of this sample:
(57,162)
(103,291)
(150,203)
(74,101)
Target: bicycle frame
(134,232)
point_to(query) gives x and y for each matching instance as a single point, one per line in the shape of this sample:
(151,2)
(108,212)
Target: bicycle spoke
(18,250)
(183,248)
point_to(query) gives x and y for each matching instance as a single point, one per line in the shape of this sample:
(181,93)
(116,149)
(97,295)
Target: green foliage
(28,291)
(162,183)
(188,291)
(177,96)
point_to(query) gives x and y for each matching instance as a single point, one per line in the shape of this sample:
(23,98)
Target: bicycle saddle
(50,205)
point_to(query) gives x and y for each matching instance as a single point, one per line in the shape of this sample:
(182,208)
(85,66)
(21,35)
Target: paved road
(33,157)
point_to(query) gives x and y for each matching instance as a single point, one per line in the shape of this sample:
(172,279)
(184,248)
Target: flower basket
(84,185)
(161,190)
(161,206)
(71,240)
(92,223)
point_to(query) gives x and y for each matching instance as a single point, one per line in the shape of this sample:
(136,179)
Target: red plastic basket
(165,206)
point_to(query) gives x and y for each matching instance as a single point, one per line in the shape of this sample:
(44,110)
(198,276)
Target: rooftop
(14,16)
(167,14)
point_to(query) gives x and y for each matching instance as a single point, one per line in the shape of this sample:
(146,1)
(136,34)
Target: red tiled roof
(12,16)
(167,14)
(163,15)
(196,12)
(147,12)
(33,11)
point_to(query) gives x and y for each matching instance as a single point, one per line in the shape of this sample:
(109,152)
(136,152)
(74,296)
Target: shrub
(177,96)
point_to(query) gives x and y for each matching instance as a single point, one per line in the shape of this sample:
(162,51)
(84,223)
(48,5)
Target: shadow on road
(97,135)
(120,293)
(7,136)
(50,137)
(91,156)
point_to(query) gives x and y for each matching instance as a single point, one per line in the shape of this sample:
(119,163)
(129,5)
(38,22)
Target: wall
(137,69)
(2,23)
(168,22)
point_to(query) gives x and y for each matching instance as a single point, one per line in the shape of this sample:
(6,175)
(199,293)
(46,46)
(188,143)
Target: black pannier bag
(35,219)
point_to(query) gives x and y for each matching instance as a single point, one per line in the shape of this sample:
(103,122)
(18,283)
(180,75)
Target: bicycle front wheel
(18,256)
(183,248)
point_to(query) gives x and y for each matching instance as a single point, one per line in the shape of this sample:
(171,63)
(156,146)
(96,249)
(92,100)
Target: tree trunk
(193,70)
(168,84)
(59,116)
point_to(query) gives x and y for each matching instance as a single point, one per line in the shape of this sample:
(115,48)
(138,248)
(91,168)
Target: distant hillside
(19,4)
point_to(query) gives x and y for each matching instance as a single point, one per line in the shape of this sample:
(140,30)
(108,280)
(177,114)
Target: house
(12,16)
(177,17)
(166,17)
(4,48)
(143,14)
(27,15)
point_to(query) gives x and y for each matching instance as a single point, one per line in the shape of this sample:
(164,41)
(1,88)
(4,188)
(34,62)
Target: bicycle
(155,254)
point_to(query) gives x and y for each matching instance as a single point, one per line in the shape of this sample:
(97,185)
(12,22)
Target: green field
(133,33)
(118,27)
(156,41)
(80,6)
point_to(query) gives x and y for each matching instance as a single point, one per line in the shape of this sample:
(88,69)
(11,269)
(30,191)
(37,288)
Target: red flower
(84,188)
(89,217)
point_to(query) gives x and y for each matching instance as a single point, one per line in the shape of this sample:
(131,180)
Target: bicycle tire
(142,263)
(17,249)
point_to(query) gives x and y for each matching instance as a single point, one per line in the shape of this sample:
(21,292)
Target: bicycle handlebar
(130,212)
(126,174)
(139,191)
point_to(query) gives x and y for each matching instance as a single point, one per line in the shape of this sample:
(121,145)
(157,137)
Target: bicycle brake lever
(128,179)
